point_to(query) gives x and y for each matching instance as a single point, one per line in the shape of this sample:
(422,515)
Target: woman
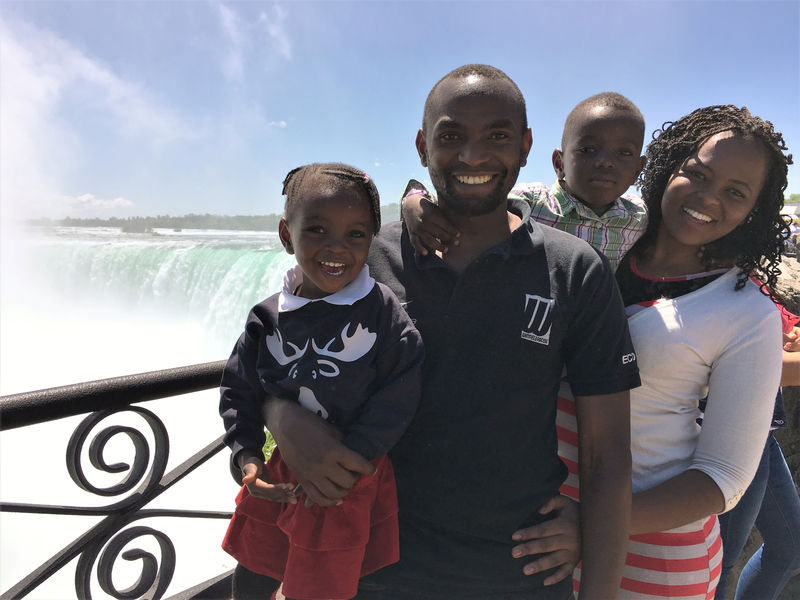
(703,324)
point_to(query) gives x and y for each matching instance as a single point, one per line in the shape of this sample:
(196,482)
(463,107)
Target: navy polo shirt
(480,456)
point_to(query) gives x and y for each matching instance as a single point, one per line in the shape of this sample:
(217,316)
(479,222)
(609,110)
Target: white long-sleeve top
(717,342)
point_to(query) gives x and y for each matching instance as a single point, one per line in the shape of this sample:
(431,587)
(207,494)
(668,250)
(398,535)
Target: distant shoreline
(389,212)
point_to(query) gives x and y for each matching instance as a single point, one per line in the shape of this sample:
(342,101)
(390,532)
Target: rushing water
(78,304)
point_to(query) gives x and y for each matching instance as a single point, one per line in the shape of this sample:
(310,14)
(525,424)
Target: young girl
(702,324)
(341,345)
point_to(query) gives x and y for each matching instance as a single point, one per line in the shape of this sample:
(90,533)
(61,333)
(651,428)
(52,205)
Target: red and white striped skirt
(684,562)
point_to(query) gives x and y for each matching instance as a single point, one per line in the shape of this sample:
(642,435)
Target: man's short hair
(486,72)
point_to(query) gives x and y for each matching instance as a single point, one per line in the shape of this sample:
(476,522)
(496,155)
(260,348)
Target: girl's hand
(558,540)
(255,479)
(427,226)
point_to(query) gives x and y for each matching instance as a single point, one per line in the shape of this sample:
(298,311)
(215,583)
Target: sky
(125,108)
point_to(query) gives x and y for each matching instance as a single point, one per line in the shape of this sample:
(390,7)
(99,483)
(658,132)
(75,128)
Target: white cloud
(274,23)
(233,60)
(245,36)
(281,124)
(89,205)
(40,146)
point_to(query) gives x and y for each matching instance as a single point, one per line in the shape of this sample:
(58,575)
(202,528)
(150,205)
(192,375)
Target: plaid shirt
(612,233)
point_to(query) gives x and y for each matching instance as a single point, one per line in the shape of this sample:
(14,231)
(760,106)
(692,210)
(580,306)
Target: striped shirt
(612,233)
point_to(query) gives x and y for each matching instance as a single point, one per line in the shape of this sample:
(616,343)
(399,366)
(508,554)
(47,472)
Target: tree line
(389,212)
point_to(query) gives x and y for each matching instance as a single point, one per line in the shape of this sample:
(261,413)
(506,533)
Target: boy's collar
(568,203)
(348,295)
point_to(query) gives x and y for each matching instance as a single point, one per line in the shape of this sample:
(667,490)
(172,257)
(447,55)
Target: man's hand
(259,486)
(428,228)
(559,540)
(325,468)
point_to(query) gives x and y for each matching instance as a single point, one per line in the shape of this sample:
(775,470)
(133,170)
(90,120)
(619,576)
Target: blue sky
(142,108)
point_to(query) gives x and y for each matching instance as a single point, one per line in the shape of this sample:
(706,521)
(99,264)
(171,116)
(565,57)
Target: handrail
(99,547)
(29,408)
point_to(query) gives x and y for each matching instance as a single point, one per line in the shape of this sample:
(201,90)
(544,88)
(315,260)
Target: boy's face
(474,145)
(329,232)
(601,157)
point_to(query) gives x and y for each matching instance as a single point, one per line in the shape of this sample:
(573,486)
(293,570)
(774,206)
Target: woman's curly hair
(755,246)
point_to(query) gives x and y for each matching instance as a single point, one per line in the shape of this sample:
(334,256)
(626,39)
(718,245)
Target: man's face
(474,144)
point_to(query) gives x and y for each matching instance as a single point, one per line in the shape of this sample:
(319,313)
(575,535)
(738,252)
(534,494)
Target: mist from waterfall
(78,304)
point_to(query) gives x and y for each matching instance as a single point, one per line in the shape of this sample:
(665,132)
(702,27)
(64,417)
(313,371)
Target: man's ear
(558,163)
(422,148)
(286,238)
(527,144)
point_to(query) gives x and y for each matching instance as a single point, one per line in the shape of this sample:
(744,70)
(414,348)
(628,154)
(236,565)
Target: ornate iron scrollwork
(155,575)
(104,542)
(141,458)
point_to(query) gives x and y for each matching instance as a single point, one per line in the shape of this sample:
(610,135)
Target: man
(501,315)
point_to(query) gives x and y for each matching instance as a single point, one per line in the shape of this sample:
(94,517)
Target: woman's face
(714,190)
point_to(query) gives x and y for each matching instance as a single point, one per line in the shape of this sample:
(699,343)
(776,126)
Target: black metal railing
(146,479)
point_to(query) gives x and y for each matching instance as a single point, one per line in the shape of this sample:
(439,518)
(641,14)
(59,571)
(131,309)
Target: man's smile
(473,179)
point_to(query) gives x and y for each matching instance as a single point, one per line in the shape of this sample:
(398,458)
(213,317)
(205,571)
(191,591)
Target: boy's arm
(605,475)
(428,228)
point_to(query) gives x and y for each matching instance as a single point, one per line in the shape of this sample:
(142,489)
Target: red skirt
(318,553)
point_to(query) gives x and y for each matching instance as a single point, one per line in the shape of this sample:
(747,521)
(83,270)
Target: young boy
(599,159)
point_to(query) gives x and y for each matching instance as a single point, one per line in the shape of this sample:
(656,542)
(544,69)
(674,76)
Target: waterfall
(90,293)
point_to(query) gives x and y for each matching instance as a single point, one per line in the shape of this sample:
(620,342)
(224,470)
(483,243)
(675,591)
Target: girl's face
(329,232)
(714,190)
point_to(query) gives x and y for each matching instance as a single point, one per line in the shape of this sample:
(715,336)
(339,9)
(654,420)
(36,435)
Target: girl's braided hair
(340,175)
(755,246)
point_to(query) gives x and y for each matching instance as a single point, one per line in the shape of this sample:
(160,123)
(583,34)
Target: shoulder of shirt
(389,234)
(567,240)
(384,294)
(633,204)
(270,303)
(390,228)
(264,311)
(528,191)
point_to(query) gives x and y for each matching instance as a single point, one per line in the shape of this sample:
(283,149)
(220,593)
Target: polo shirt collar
(348,295)
(521,241)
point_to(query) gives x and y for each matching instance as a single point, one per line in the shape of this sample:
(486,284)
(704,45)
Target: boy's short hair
(340,176)
(604,99)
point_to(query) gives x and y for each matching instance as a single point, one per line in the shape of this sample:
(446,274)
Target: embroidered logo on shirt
(538,319)
(285,352)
